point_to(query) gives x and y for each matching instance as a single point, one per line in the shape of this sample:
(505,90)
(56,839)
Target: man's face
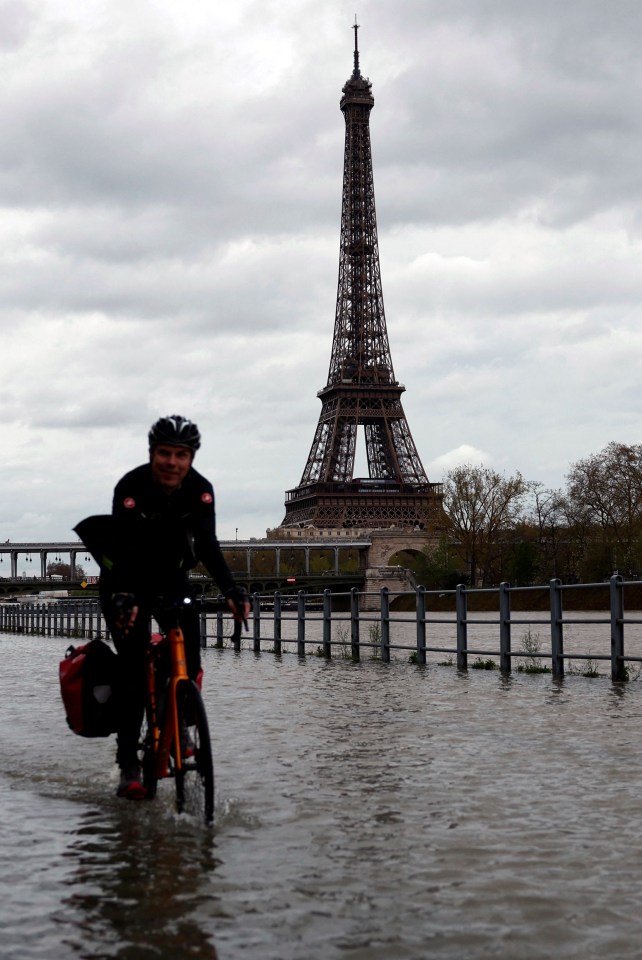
(170,465)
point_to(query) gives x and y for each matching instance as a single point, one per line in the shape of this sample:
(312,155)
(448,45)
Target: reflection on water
(116,882)
(137,886)
(363,811)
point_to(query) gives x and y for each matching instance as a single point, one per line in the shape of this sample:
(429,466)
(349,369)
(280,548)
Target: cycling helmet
(176,431)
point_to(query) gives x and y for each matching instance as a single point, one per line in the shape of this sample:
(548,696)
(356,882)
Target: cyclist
(162,524)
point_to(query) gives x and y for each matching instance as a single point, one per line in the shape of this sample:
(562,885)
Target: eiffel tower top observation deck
(362,389)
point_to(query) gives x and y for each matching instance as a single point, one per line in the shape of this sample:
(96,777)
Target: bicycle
(176,740)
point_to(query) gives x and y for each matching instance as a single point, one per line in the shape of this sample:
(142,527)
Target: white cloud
(463,455)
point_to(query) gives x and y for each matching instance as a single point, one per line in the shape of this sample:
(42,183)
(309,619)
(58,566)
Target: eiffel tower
(361,388)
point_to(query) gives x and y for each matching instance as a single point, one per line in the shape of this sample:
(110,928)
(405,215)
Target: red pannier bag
(88,686)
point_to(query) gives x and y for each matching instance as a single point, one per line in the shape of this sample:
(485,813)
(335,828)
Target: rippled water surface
(364,811)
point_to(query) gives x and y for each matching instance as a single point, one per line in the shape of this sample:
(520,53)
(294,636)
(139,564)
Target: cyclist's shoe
(131,784)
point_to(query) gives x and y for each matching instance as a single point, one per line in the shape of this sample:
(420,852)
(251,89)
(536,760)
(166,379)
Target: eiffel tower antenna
(362,389)
(356,73)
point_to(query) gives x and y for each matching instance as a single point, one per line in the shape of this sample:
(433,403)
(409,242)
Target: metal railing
(315,615)
(81,619)
(315,620)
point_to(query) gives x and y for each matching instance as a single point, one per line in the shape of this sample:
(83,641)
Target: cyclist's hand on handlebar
(239,603)
(125,610)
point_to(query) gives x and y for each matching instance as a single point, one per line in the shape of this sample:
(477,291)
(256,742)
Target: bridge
(42,552)
(288,559)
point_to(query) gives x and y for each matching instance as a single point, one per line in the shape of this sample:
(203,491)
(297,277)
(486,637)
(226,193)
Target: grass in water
(344,643)
(586,668)
(532,645)
(480,664)
(374,635)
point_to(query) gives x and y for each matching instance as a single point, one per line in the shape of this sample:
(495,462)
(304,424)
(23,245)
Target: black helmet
(175,430)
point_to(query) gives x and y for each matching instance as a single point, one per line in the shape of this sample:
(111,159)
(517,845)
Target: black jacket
(152,540)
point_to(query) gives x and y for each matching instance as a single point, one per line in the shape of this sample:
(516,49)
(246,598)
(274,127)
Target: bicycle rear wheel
(195,779)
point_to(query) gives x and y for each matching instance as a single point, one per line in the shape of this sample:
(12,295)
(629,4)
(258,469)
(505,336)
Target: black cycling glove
(125,609)
(239,598)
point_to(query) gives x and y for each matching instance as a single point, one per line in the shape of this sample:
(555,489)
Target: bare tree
(483,506)
(605,496)
(548,515)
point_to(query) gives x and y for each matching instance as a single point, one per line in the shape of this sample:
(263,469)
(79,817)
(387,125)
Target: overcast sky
(170,180)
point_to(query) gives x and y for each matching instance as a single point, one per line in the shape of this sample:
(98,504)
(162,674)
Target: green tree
(59,569)
(442,569)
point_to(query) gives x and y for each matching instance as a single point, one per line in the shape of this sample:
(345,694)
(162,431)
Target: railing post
(618,668)
(219,629)
(504,627)
(461,607)
(354,623)
(256,622)
(557,629)
(277,622)
(327,623)
(202,626)
(385,625)
(300,629)
(420,613)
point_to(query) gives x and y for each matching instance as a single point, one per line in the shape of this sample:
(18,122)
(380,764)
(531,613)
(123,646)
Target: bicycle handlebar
(205,605)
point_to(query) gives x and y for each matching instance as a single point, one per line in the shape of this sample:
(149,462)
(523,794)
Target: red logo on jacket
(207,498)
(129,502)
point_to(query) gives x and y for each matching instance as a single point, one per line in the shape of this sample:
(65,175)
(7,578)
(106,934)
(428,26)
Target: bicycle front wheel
(195,779)
(148,761)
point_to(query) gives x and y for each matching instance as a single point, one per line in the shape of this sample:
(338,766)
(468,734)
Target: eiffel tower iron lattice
(361,388)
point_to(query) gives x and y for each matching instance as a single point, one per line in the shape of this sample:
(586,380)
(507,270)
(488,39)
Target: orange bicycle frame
(169,734)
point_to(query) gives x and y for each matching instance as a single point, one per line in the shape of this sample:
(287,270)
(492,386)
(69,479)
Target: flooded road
(363,811)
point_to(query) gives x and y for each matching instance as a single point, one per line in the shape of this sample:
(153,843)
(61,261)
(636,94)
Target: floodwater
(364,811)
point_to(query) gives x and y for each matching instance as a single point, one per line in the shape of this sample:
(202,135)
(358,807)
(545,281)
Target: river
(364,811)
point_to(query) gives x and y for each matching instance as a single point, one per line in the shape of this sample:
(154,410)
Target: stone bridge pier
(384,545)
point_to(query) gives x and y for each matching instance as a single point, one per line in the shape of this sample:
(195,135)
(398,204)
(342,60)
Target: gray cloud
(170,189)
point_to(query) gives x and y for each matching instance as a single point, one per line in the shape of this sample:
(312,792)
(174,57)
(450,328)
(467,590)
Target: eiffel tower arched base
(365,504)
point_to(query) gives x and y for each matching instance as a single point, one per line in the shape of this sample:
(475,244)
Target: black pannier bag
(89,688)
